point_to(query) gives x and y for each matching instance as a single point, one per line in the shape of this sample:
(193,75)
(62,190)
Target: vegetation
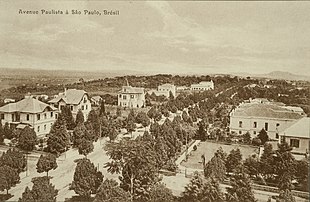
(42,190)
(87,178)
(9,177)
(14,159)
(27,139)
(46,163)
(109,191)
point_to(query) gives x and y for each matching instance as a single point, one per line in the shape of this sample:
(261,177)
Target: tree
(46,163)
(85,147)
(202,190)
(215,168)
(112,133)
(130,126)
(256,141)
(14,159)
(1,134)
(42,190)
(240,189)
(79,117)
(131,116)
(267,161)
(285,196)
(93,125)
(9,177)
(284,164)
(202,133)
(102,109)
(118,112)
(58,138)
(233,160)
(246,138)
(27,139)
(151,113)
(302,173)
(136,160)
(80,132)
(109,191)
(86,179)
(7,131)
(160,193)
(262,135)
(69,120)
(252,166)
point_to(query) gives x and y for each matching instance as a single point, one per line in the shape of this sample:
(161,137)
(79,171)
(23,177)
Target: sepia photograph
(154,101)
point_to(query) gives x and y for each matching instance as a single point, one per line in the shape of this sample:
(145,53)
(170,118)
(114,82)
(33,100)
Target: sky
(158,36)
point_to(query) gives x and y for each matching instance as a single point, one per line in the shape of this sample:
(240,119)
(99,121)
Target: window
(294,143)
(45,116)
(240,132)
(277,135)
(38,117)
(27,117)
(282,140)
(62,107)
(240,124)
(71,107)
(132,96)
(266,126)
(85,100)
(86,106)
(44,127)
(38,128)
(277,125)
(82,107)
(120,96)
(254,132)
(2,116)
(51,114)
(124,97)
(255,124)
(56,116)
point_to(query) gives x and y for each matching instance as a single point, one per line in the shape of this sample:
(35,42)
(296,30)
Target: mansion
(131,97)
(29,112)
(202,86)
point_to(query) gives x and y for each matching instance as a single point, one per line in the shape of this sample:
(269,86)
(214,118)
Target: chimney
(65,92)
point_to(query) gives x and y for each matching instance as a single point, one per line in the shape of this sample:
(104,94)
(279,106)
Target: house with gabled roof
(131,97)
(75,99)
(298,136)
(29,112)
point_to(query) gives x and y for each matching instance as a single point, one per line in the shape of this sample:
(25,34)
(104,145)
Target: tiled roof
(300,128)
(167,85)
(27,105)
(265,110)
(70,96)
(130,89)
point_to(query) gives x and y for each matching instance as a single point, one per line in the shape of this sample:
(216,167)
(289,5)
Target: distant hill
(276,75)
(286,76)
(27,72)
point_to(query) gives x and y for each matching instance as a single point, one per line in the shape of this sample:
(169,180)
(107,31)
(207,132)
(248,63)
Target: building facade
(29,112)
(298,136)
(202,86)
(253,117)
(75,99)
(131,97)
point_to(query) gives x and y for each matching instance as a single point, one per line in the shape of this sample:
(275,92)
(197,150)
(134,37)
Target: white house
(253,117)
(298,136)
(164,90)
(131,97)
(75,99)
(29,112)
(203,85)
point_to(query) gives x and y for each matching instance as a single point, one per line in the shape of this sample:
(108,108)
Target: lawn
(209,148)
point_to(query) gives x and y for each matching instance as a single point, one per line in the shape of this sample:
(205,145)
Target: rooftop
(27,105)
(300,128)
(70,96)
(130,89)
(167,85)
(265,110)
